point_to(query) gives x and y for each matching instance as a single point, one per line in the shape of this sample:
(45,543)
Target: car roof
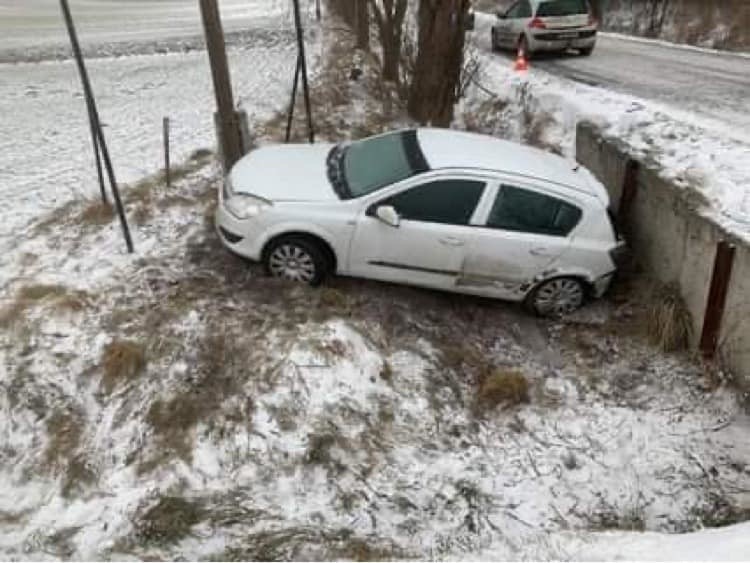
(447,148)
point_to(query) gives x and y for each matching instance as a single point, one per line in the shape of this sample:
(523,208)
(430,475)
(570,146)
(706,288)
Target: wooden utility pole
(228,119)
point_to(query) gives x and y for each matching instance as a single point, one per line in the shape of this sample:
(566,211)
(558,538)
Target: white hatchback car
(429,207)
(546,25)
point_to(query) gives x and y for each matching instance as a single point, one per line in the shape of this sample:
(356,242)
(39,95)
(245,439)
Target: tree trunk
(390,24)
(362,24)
(440,55)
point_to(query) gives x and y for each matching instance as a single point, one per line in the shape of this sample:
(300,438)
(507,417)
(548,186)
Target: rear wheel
(296,259)
(586,52)
(557,297)
(493,42)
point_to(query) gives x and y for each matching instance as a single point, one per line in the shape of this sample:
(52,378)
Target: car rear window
(562,8)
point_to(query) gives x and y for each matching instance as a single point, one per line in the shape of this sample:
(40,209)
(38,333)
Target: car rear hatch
(563,19)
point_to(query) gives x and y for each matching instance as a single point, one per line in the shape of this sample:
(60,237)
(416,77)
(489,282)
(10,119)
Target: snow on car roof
(446,148)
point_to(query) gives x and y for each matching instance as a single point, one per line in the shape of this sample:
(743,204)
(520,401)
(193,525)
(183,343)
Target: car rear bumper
(560,40)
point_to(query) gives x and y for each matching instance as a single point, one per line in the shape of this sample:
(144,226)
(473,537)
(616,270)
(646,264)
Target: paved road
(714,85)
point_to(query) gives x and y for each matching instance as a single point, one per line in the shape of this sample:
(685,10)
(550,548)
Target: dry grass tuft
(64,432)
(168,521)
(669,321)
(59,296)
(122,360)
(503,387)
(96,213)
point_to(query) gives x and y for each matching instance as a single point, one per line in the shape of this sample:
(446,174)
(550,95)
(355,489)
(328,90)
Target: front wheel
(557,297)
(296,259)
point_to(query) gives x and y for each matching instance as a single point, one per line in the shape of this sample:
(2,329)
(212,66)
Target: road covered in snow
(680,107)
(33,23)
(713,84)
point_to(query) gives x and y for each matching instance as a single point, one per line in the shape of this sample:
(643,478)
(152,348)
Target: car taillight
(537,23)
(592,20)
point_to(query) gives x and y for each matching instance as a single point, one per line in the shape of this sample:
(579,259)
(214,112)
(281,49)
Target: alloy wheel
(292,262)
(559,297)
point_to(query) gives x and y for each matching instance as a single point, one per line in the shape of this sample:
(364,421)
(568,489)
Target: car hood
(285,173)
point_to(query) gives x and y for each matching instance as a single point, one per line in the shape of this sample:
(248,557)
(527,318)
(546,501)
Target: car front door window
(449,202)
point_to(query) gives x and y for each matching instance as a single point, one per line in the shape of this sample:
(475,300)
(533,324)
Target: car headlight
(245,206)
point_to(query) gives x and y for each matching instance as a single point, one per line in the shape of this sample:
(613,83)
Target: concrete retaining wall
(674,243)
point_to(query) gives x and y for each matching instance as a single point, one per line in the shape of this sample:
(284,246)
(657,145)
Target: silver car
(546,25)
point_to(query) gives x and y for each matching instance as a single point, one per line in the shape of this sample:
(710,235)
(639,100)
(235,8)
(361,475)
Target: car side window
(525,9)
(517,209)
(443,201)
(513,11)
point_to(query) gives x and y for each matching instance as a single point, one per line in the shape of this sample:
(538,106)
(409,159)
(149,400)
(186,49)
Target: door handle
(451,241)
(540,251)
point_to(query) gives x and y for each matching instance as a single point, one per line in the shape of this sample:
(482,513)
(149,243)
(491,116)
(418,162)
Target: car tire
(297,259)
(586,52)
(556,297)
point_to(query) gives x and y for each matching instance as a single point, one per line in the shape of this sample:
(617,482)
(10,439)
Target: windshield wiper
(335,171)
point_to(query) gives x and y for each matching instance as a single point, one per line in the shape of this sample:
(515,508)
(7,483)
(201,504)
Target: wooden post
(303,67)
(167,172)
(229,130)
(94,116)
(717,299)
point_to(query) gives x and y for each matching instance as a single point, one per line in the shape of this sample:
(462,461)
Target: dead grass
(669,321)
(215,380)
(168,521)
(502,387)
(64,433)
(57,296)
(122,361)
(96,213)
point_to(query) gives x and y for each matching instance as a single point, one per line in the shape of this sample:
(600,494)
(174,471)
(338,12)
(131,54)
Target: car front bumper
(239,236)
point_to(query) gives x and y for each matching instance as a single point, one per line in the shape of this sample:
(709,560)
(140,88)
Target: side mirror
(388,215)
(500,15)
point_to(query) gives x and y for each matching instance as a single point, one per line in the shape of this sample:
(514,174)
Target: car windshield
(368,165)
(562,8)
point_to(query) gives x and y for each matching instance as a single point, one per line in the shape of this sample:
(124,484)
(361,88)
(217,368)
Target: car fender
(561,272)
(279,229)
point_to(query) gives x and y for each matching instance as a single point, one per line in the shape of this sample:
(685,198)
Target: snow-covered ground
(176,404)
(46,158)
(708,156)
(28,24)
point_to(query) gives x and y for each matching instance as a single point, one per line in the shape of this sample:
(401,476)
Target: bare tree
(436,83)
(389,16)
(362,23)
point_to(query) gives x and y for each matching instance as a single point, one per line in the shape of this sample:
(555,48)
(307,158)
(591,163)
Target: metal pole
(97,156)
(295,85)
(717,299)
(303,62)
(231,140)
(97,122)
(167,173)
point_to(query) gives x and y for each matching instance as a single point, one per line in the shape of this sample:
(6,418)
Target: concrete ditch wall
(675,243)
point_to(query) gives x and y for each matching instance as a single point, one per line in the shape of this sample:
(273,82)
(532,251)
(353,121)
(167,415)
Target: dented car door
(521,240)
